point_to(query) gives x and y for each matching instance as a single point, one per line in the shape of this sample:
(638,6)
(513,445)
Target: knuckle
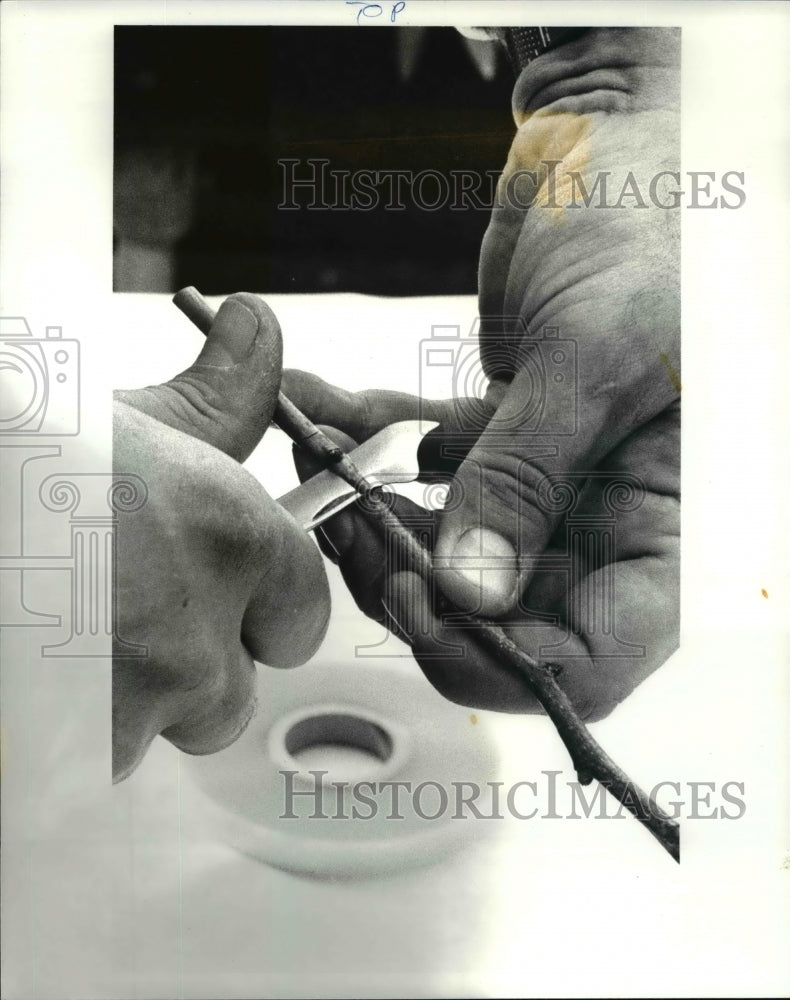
(507,490)
(287,616)
(365,414)
(227,514)
(312,626)
(208,408)
(216,714)
(598,707)
(179,660)
(192,397)
(504,490)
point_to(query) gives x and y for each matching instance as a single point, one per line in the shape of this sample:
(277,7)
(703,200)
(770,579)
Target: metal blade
(388,457)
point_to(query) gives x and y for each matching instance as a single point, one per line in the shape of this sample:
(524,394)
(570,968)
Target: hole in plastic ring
(347,735)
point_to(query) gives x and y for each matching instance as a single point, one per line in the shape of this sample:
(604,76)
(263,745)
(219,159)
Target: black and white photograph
(356,639)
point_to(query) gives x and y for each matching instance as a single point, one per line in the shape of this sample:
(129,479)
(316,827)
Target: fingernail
(232,334)
(485,562)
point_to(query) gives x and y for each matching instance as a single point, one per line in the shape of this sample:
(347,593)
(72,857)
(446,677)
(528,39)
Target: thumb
(227,397)
(490,542)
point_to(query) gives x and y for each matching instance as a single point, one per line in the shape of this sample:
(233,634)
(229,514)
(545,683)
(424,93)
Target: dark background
(202,115)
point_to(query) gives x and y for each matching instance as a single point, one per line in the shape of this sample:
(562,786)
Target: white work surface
(119,896)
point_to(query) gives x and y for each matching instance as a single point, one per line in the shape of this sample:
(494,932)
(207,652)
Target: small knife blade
(391,456)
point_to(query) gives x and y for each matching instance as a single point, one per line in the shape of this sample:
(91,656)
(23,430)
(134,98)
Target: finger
(136,718)
(213,716)
(465,672)
(499,523)
(371,558)
(616,598)
(616,624)
(361,414)
(287,612)
(632,605)
(204,718)
(227,397)
(455,665)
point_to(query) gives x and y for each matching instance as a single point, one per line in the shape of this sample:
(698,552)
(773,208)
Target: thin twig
(589,759)
(287,416)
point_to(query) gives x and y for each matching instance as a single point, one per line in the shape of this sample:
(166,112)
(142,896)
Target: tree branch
(588,757)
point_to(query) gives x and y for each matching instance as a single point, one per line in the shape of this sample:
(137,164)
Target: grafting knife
(391,456)
(400,453)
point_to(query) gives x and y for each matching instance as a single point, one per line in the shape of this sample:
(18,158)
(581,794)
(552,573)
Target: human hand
(211,572)
(604,106)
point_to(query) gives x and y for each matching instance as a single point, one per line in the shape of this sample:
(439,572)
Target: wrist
(602,69)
